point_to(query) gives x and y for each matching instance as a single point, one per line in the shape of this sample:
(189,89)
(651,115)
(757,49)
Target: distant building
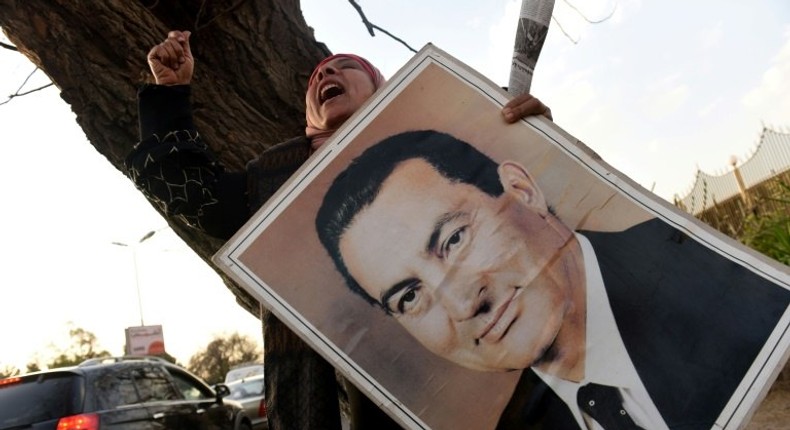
(723,201)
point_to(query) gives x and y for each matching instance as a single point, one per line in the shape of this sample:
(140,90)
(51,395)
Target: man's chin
(547,355)
(499,367)
(476,364)
(510,361)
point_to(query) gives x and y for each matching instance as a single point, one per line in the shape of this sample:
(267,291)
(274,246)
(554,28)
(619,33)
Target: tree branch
(9,47)
(18,94)
(26,92)
(199,26)
(370,26)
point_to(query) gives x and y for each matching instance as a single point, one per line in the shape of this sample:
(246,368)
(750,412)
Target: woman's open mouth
(330,91)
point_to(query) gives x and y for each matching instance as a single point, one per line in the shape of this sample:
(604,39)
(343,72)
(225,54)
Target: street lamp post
(136,275)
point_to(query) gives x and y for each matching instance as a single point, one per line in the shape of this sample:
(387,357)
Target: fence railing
(770,159)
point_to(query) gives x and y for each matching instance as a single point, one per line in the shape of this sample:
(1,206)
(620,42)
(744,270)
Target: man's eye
(453,241)
(408,300)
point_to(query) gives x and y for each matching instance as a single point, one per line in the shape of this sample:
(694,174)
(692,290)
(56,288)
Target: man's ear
(519,184)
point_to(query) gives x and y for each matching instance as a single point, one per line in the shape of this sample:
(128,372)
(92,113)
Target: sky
(658,90)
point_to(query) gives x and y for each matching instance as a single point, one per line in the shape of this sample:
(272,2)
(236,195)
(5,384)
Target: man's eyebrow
(393,290)
(437,230)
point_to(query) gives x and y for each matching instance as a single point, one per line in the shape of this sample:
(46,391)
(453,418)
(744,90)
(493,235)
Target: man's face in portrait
(477,279)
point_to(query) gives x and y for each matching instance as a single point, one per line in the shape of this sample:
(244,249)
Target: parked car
(123,393)
(250,393)
(243,371)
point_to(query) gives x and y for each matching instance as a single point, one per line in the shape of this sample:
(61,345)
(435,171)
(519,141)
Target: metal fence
(724,201)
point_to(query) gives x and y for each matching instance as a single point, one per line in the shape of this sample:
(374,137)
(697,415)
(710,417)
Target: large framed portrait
(467,273)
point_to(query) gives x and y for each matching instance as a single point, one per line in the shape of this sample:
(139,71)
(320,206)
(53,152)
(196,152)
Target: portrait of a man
(468,257)
(467,273)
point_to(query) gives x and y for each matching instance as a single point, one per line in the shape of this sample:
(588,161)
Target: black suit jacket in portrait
(691,320)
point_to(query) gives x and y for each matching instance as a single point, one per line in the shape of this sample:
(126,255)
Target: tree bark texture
(253,59)
(252,62)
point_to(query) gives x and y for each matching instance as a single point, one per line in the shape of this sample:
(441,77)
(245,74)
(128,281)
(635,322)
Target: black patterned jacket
(177,171)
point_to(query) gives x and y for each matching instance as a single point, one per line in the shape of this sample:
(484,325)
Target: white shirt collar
(606,360)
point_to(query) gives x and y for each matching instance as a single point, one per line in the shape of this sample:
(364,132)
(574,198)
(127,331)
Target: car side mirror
(222,390)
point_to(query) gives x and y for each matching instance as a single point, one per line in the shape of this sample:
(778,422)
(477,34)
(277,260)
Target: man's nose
(464,298)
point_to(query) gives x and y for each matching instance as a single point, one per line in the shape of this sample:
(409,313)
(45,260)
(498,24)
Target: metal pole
(137,285)
(136,271)
(137,275)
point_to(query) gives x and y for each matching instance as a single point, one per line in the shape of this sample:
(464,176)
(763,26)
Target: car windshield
(39,398)
(244,372)
(244,389)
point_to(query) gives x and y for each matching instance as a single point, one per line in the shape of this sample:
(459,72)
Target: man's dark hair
(358,185)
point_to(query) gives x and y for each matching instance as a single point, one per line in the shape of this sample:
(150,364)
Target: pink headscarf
(319,135)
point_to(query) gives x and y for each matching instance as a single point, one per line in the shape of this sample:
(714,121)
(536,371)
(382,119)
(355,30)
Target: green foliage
(9,370)
(83,346)
(769,232)
(222,354)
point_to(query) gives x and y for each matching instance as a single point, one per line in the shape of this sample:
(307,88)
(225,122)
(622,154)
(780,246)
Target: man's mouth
(330,91)
(500,322)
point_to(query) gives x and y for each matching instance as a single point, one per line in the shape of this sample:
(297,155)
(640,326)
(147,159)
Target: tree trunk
(253,59)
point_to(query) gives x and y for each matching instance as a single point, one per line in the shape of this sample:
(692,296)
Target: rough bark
(253,58)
